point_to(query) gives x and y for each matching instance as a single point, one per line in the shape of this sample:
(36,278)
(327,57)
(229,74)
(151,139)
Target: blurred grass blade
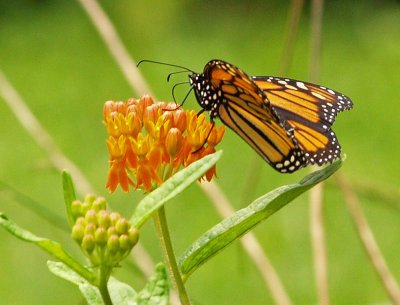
(156,291)
(172,187)
(51,247)
(69,195)
(245,219)
(12,194)
(91,293)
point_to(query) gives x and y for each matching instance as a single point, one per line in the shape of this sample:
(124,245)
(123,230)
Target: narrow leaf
(156,291)
(172,187)
(233,227)
(51,247)
(69,195)
(91,293)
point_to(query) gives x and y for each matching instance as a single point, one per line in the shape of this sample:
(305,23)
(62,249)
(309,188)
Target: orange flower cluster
(150,141)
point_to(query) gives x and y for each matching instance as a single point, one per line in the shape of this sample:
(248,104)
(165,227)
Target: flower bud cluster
(105,237)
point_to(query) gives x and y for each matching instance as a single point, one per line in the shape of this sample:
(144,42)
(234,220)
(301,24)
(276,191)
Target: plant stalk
(104,276)
(160,221)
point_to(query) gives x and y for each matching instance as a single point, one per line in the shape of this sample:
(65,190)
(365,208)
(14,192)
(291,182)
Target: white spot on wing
(291,87)
(301,85)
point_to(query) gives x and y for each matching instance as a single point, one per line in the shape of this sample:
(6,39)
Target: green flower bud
(111,231)
(124,242)
(113,243)
(89,198)
(103,219)
(122,226)
(114,216)
(76,207)
(91,217)
(81,221)
(77,232)
(85,207)
(100,236)
(88,243)
(133,234)
(99,204)
(105,237)
(90,228)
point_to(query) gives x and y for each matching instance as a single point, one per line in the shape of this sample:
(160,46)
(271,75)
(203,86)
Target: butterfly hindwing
(309,111)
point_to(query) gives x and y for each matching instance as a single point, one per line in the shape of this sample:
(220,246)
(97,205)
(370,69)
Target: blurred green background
(54,57)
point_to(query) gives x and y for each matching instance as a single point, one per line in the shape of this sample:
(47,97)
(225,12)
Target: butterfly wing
(244,108)
(309,111)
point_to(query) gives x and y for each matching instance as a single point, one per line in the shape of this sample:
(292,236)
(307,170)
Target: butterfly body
(287,122)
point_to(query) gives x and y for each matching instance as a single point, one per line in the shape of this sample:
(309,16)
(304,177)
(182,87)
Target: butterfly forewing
(266,137)
(315,103)
(243,107)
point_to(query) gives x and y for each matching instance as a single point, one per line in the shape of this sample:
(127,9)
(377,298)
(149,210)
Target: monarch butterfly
(286,121)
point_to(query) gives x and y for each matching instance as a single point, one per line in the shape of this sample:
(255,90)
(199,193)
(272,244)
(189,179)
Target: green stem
(163,234)
(104,276)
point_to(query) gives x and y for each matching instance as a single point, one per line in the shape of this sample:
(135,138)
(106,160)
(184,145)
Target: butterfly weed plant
(159,149)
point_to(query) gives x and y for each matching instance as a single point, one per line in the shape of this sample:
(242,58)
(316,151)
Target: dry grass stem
(296,8)
(32,125)
(368,240)
(317,229)
(114,44)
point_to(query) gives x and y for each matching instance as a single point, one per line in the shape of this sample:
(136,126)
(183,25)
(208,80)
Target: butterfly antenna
(173,73)
(164,63)
(173,90)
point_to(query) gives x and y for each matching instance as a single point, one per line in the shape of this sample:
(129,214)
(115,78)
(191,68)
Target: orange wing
(309,111)
(287,122)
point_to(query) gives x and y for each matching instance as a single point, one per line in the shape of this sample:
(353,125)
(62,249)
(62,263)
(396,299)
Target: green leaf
(121,293)
(231,228)
(156,291)
(172,187)
(51,247)
(69,195)
(91,293)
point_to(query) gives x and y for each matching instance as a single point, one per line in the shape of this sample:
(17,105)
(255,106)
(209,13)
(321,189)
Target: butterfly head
(207,96)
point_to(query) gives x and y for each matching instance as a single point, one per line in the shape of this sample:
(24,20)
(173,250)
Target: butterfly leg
(208,135)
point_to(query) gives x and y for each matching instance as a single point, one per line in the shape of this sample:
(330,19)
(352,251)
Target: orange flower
(150,141)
